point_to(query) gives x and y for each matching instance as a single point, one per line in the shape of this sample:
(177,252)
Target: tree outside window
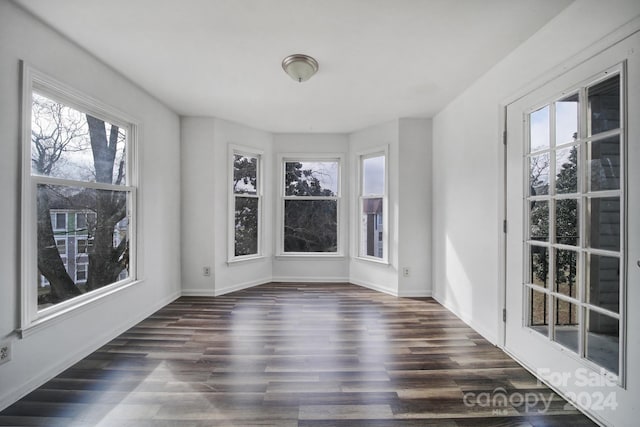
(310,208)
(247,205)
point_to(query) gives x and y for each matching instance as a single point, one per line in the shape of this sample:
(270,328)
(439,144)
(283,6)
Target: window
(575,207)
(81,273)
(372,205)
(85,222)
(62,246)
(79,184)
(59,220)
(246,204)
(310,206)
(83,246)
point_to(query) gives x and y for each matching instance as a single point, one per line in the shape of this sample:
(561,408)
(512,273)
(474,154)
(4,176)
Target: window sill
(310,256)
(373,260)
(58,316)
(246,259)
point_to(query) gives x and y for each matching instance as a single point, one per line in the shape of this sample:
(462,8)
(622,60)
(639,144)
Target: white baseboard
(198,293)
(466,319)
(290,279)
(241,286)
(374,287)
(12,396)
(416,294)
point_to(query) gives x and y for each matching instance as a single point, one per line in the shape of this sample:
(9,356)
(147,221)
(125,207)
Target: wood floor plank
(294,354)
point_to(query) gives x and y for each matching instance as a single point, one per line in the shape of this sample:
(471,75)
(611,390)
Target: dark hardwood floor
(307,355)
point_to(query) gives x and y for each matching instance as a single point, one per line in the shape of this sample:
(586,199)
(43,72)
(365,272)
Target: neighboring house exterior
(372,209)
(73,231)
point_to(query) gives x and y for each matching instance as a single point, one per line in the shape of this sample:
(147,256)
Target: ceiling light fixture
(300,67)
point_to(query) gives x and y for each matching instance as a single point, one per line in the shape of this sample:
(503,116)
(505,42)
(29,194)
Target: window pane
(567,120)
(373,176)
(68,144)
(246,226)
(603,282)
(62,246)
(539,220)
(604,164)
(85,245)
(110,238)
(310,226)
(538,312)
(245,174)
(567,273)
(311,178)
(81,221)
(604,106)
(603,340)
(81,272)
(372,212)
(59,221)
(539,175)
(604,223)
(539,129)
(567,222)
(567,329)
(85,223)
(567,170)
(539,265)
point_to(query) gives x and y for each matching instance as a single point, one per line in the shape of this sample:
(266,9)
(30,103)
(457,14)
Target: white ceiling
(379,59)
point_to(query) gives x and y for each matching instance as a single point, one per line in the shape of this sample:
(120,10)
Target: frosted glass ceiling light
(300,67)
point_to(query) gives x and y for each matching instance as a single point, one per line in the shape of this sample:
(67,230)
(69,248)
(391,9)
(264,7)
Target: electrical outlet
(405,271)
(5,352)
(206,271)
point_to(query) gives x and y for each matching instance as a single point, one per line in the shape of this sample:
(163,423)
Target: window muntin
(311,206)
(372,210)
(77,184)
(575,235)
(246,203)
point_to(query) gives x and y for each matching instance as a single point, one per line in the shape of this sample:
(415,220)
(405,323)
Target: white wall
(467,187)
(414,207)
(205,192)
(467,191)
(309,268)
(198,205)
(47,351)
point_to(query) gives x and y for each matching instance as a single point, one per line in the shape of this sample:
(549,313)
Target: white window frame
(283,158)
(32,319)
(231,250)
(582,195)
(362,156)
